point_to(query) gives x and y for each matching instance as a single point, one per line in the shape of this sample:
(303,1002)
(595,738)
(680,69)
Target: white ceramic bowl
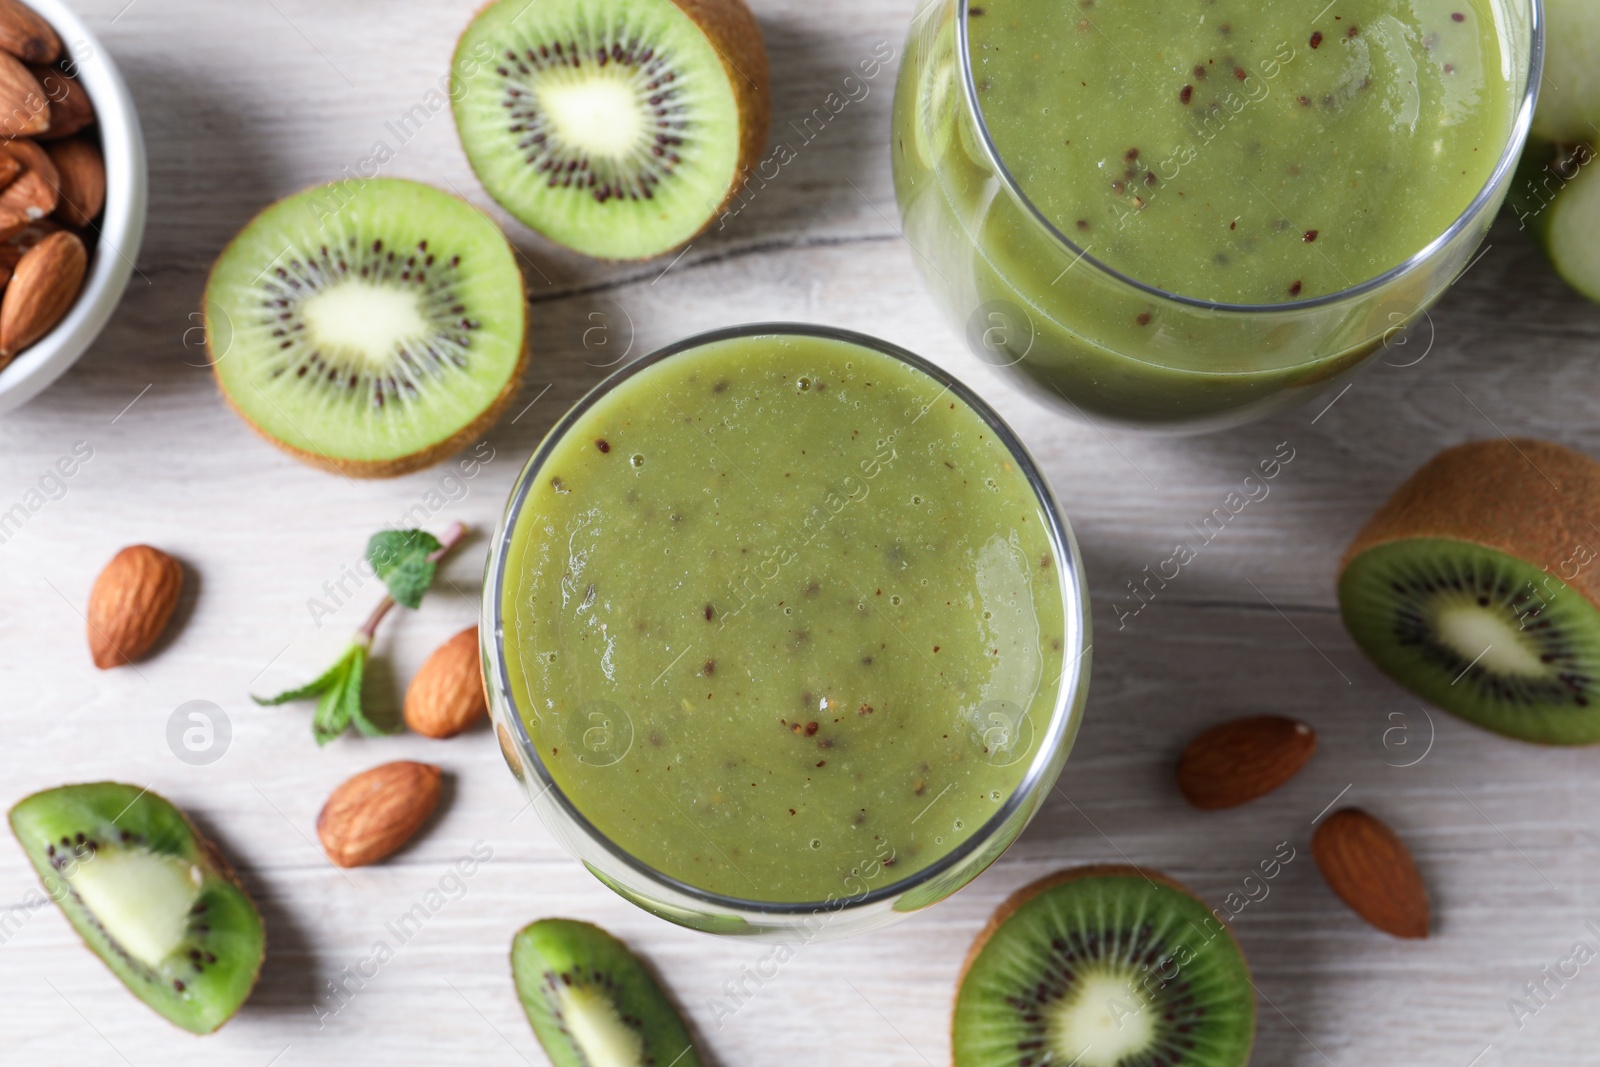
(121,225)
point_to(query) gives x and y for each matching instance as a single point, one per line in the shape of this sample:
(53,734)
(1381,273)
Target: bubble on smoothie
(816,843)
(959,824)
(895,600)
(803,384)
(916,501)
(637,460)
(994,794)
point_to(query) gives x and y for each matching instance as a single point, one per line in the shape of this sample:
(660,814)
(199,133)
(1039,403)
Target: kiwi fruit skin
(1498,494)
(552,956)
(215,988)
(733,32)
(1530,500)
(1109,871)
(350,466)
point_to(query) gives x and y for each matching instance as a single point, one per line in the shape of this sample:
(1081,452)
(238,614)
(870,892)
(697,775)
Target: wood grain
(246,101)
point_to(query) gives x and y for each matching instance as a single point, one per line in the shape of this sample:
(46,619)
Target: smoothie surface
(1252,152)
(784,619)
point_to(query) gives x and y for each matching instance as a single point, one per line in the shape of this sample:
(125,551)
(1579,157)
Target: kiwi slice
(1104,966)
(938,94)
(149,895)
(1476,588)
(592,1003)
(369,327)
(1569,93)
(619,128)
(1566,223)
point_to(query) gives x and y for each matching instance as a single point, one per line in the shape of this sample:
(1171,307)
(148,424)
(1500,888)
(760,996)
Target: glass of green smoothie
(784,633)
(1187,215)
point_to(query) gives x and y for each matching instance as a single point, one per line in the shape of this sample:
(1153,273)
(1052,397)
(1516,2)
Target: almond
(1238,761)
(377,811)
(446,696)
(1371,870)
(19,244)
(42,289)
(9,169)
(81,180)
(24,109)
(32,195)
(131,604)
(25,34)
(70,107)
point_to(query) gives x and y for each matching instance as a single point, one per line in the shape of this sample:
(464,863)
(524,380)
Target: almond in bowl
(73,193)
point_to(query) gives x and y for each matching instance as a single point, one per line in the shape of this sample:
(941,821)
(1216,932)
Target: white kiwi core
(363,322)
(1487,637)
(603,1039)
(595,111)
(1103,1020)
(140,899)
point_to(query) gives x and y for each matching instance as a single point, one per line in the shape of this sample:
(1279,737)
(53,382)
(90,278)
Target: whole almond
(1238,761)
(25,34)
(70,107)
(81,180)
(24,109)
(43,288)
(446,696)
(1371,870)
(377,811)
(131,604)
(32,195)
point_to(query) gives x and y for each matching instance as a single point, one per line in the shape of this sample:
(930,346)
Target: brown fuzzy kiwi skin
(218,863)
(1533,500)
(1016,900)
(400,465)
(732,30)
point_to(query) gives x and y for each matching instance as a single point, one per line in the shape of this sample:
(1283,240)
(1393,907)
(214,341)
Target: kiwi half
(149,895)
(1476,588)
(369,327)
(1104,966)
(592,1003)
(619,128)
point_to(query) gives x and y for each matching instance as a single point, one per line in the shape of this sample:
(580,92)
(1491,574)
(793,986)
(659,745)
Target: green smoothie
(1243,151)
(1180,180)
(782,609)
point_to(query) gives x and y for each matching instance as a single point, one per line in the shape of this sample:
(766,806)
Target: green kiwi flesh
(1104,967)
(1571,220)
(1569,93)
(149,895)
(368,327)
(613,127)
(592,1003)
(1484,635)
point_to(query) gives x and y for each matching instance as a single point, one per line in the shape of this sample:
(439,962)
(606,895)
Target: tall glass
(871,895)
(1105,346)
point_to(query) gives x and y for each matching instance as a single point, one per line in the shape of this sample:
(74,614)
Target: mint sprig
(407,561)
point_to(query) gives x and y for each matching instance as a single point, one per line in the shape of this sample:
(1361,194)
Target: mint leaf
(328,680)
(333,714)
(400,558)
(338,694)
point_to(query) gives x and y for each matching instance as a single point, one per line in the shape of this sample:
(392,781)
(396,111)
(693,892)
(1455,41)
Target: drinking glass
(863,901)
(1103,345)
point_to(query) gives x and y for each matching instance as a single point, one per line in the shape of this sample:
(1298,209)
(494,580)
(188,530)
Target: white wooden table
(246,100)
